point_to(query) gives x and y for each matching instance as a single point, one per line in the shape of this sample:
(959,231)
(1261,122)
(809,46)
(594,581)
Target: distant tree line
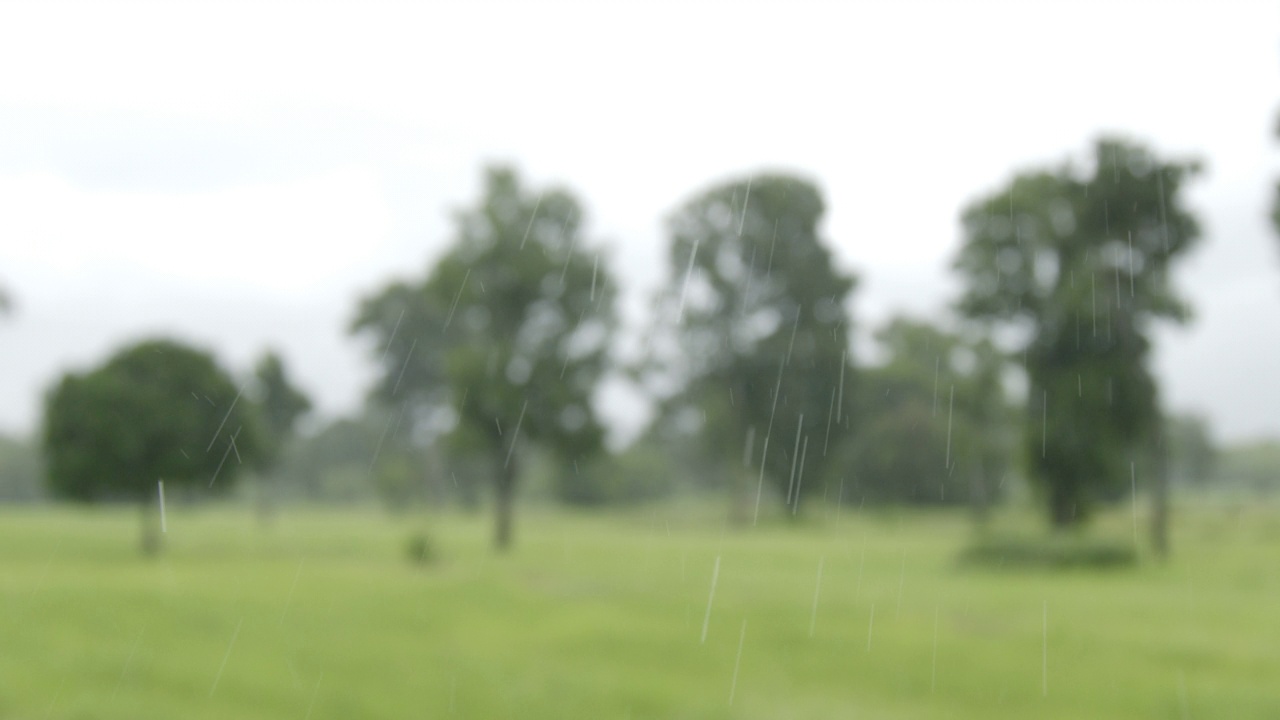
(490,361)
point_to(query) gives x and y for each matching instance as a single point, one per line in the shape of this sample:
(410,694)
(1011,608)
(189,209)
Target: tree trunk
(1160,496)
(504,497)
(150,541)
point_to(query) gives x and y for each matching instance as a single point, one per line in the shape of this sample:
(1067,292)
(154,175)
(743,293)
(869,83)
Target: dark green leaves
(1075,263)
(762,332)
(155,410)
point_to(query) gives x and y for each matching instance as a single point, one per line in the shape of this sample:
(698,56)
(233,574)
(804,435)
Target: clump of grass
(1054,552)
(421,550)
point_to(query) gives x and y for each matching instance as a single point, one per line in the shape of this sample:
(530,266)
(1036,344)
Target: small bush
(1049,553)
(421,550)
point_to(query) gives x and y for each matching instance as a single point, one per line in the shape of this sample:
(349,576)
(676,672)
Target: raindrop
(871,624)
(384,350)
(1044,657)
(456,298)
(742,638)
(795,455)
(515,434)
(226,657)
(532,216)
(813,612)
(706,620)
(933,680)
(405,366)
(902,576)
(951,405)
(1133,485)
(1044,428)
(163,526)
(214,439)
(684,293)
(760,484)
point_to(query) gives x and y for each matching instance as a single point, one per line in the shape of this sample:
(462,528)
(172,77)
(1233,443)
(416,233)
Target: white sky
(238,174)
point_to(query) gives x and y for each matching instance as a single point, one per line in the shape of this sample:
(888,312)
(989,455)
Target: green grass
(325,616)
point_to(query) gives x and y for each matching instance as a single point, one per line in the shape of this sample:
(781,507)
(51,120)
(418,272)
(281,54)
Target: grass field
(614,616)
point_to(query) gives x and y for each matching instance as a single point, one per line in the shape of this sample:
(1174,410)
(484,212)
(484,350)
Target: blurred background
(691,257)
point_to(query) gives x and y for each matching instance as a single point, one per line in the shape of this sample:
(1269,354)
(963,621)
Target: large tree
(155,411)
(1073,265)
(505,341)
(761,351)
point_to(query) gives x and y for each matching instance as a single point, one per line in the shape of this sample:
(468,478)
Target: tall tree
(505,341)
(156,411)
(280,405)
(1073,265)
(761,346)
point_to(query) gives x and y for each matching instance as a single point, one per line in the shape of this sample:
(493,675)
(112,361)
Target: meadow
(654,613)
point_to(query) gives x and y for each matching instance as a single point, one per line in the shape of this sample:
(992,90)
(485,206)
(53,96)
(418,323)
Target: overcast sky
(238,174)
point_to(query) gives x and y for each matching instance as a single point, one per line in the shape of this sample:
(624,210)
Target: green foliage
(421,550)
(760,352)
(937,428)
(281,406)
(357,459)
(1193,455)
(21,471)
(1059,552)
(641,473)
(1254,465)
(1074,265)
(399,479)
(506,339)
(900,456)
(155,410)
(332,465)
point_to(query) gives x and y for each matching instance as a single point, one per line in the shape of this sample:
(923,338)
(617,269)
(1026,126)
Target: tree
(20,471)
(333,465)
(506,340)
(761,344)
(1072,265)
(280,406)
(1193,455)
(155,411)
(937,427)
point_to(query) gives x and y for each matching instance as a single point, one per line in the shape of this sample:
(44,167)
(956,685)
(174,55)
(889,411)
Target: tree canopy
(761,331)
(1071,265)
(937,427)
(280,403)
(506,339)
(156,410)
